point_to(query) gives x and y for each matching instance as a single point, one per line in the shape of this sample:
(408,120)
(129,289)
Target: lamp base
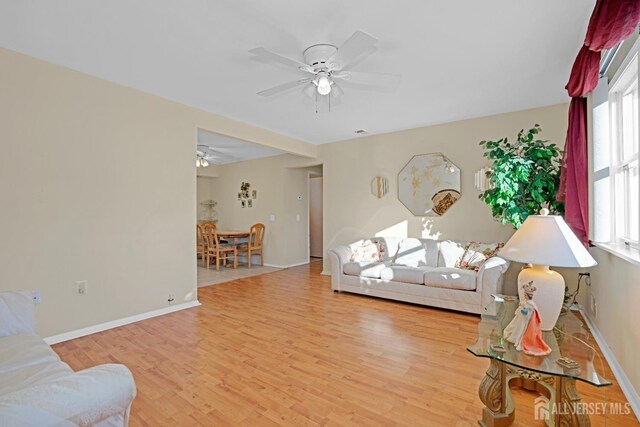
(549,293)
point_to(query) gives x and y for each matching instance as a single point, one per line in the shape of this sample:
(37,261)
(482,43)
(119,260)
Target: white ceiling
(458,59)
(224,149)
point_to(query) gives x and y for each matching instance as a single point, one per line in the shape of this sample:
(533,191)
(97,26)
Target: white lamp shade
(547,240)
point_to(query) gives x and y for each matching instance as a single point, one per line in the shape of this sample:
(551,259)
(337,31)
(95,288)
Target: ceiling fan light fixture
(324,85)
(201,162)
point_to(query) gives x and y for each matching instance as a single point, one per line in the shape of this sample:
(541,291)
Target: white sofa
(38,389)
(419,271)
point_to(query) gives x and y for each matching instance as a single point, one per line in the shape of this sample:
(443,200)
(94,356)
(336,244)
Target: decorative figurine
(524,330)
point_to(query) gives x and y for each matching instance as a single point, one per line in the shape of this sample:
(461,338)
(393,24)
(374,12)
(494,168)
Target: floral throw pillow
(475,254)
(367,251)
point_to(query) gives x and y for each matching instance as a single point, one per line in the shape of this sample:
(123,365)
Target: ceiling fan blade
(269,56)
(283,87)
(358,44)
(336,91)
(383,81)
(310,90)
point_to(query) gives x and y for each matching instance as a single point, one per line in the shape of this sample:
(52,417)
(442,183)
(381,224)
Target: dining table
(234,235)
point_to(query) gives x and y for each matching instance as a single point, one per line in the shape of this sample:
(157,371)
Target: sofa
(449,274)
(38,389)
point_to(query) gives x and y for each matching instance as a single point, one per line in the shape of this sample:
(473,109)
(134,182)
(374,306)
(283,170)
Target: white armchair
(38,389)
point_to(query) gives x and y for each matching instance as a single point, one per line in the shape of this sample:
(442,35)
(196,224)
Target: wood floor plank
(283,349)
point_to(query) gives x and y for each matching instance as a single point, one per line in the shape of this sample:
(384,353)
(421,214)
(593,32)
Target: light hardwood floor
(283,349)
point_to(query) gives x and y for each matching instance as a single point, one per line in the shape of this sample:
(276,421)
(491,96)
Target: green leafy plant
(524,178)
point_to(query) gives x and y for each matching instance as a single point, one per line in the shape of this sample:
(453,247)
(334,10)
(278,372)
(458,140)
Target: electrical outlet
(82,287)
(36,297)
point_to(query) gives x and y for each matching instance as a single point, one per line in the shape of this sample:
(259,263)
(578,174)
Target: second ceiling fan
(328,64)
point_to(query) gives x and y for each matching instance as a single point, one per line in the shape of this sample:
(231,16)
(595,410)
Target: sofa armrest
(82,398)
(338,257)
(490,278)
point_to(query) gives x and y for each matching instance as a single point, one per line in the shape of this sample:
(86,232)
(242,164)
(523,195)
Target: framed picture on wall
(239,196)
(244,203)
(254,194)
(250,203)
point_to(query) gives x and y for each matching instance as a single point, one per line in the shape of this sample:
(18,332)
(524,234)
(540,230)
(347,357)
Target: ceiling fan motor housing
(317,55)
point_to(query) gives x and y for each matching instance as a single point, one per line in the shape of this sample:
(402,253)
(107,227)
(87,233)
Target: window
(615,160)
(623,125)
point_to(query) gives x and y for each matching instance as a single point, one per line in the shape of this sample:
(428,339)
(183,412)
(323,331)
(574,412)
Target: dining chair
(220,251)
(201,243)
(253,246)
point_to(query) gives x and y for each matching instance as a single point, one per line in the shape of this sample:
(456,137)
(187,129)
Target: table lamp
(546,240)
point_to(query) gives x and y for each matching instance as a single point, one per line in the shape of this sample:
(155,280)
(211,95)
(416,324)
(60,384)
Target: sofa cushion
(405,274)
(363,269)
(17,313)
(411,252)
(450,251)
(25,360)
(23,350)
(451,278)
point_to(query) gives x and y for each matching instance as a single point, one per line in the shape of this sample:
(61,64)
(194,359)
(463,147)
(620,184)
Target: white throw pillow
(450,252)
(366,251)
(411,252)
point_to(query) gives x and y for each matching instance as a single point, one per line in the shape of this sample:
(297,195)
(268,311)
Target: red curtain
(574,176)
(611,22)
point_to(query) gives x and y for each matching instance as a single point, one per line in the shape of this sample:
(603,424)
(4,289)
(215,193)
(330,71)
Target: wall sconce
(379,186)
(481,179)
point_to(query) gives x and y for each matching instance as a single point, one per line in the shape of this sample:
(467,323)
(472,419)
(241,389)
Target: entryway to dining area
(245,189)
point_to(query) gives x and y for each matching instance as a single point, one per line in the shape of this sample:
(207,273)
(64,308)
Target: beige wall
(204,191)
(278,182)
(98,184)
(615,283)
(351,212)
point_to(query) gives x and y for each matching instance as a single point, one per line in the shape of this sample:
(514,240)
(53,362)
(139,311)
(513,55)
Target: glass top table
(567,339)
(556,382)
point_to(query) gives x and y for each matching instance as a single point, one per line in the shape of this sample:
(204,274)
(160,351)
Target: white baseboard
(625,384)
(325,273)
(286,266)
(66,336)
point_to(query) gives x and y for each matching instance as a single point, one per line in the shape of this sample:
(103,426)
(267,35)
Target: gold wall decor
(379,186)
(429,184)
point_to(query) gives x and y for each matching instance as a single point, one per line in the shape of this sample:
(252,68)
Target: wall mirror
(429,184)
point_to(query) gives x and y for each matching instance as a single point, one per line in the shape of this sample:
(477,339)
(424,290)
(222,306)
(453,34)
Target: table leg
(494,392)
(568,404)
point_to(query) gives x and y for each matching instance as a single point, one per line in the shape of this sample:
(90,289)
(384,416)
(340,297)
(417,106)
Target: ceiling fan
(328,64)
(206,155)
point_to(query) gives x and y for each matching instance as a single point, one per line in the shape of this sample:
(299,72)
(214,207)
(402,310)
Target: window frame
(618,86)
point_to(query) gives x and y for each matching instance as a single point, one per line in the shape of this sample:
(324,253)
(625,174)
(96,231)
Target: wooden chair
(220,251)
(201,243)
(254,245)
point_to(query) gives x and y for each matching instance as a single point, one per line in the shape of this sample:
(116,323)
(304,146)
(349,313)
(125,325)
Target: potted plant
(524,178)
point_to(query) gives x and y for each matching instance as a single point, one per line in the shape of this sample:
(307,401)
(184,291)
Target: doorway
(316,246)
